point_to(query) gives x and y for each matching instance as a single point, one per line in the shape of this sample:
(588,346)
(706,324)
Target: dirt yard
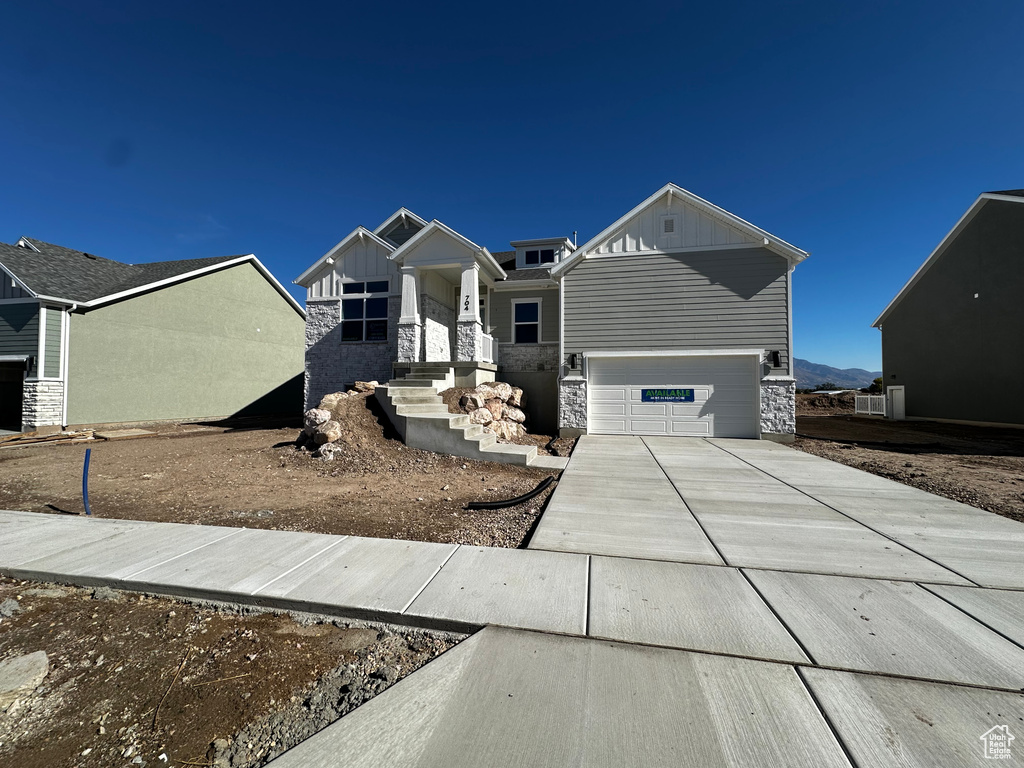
(136,680)
(256,477)
(980,466)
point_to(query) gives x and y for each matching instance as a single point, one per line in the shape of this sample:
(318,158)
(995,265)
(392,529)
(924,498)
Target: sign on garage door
(697,396)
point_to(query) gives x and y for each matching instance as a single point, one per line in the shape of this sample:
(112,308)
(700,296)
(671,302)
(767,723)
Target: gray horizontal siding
(51,366)
(19,329)
(703,300)
(501,312)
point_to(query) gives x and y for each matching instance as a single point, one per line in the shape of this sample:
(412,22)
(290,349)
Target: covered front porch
(446,281)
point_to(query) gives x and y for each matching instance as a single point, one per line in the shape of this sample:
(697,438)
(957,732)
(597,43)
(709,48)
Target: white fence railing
(489,349)
(873,405)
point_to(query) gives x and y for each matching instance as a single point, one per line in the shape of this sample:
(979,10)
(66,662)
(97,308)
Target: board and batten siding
(52,351)
(361,260)
(501,312)
(694,228)
(9,288)
(19,329)
(734,298)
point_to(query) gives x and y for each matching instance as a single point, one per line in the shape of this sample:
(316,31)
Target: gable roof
(775,244)
(329,257)
(1010,196)
(53,272)
(481,253)
(402,213)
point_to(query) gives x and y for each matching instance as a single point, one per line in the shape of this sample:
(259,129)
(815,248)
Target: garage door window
(364,311)
(526,315)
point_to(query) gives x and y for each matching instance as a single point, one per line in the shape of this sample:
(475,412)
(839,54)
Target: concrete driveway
(683,602)
(757,504)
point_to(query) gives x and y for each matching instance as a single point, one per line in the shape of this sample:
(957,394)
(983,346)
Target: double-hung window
(364,311)
(526,321)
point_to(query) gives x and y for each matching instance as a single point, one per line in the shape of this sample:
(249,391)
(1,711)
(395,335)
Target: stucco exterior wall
(222,344)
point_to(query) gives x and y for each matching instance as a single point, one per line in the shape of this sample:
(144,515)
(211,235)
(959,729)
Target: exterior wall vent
(669,225)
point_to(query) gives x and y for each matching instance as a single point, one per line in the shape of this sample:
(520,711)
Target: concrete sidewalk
(790,613)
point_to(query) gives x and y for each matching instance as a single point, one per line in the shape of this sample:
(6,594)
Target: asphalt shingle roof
(1013,192)
(529,274)
(64,273)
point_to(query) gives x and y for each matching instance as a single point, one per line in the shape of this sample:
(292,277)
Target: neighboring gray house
(957,327)
(675,320)
(86,340)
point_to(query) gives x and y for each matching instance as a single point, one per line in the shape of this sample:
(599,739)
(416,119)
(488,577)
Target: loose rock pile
(320,431)
(496,406)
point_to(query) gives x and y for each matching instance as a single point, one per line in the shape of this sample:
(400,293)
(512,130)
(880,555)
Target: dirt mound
(826,405)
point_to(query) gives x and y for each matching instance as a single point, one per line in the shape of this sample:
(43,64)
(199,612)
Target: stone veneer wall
(572,404)
(333,365)
(528,357)
(439,328)
(778,405)
(42,403)
(469,341)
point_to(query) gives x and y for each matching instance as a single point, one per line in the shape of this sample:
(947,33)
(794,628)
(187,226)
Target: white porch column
(470,329)
(410,326)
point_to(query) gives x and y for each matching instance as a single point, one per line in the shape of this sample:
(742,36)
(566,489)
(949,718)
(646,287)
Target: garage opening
(12,378)
(675,395)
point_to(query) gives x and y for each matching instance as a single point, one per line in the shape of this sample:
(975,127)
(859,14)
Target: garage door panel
(725,396)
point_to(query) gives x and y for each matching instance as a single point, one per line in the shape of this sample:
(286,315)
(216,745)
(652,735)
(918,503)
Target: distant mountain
(810,375)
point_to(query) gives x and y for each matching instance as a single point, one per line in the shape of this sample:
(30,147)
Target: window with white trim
(364,311)
(540,256)
(526,321)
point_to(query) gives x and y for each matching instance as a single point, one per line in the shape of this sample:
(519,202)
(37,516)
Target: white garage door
(713,396)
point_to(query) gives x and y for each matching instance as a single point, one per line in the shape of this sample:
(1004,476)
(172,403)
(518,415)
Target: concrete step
(423,421)
(406,409)
(549,462)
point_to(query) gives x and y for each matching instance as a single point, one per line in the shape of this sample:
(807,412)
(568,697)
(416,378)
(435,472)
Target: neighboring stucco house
(952,337)
(674,320)
(86,340)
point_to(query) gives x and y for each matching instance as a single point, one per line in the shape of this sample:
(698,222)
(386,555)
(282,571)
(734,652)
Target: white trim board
(677,353)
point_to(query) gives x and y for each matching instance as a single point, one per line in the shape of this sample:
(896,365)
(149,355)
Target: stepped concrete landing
(417,412)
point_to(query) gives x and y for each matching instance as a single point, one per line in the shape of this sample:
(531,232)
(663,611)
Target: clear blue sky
(859,131)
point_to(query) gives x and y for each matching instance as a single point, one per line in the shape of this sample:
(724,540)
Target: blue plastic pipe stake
(85,481)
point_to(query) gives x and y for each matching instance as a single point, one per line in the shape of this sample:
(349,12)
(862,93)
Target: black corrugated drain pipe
(512,502)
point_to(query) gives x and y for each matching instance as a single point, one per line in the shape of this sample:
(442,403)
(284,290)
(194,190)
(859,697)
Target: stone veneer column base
(42,404)
(468,340)
(572,407)
(778,409)
(409,337)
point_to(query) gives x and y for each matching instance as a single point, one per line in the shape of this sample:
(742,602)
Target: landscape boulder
(366,386)
(327,451)
(511,413)
(331,401)
(517,398)
(471,401)
(21,675)
(501,390)
(328,432)
(494,406)
(314,418)
(481,416)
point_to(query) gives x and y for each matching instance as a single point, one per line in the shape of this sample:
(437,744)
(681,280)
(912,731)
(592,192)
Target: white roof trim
(436,226)
(403,211)
(345,241)
(793,254)
(250,258)
(959,227)
(541,241)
